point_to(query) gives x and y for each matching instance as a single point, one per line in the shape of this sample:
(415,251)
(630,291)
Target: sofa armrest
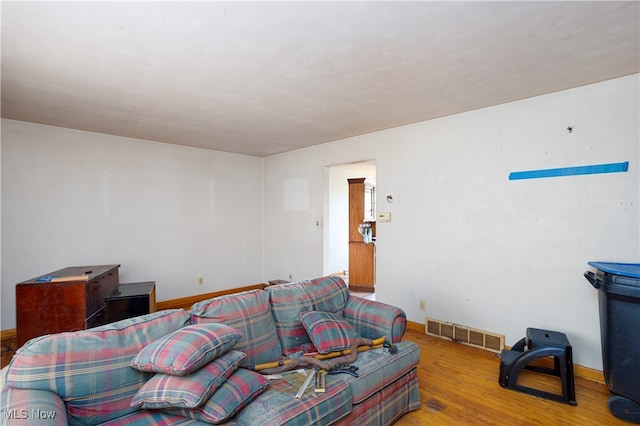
(373,319)
(30,406)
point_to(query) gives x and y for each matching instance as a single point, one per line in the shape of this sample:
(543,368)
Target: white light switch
(384,217)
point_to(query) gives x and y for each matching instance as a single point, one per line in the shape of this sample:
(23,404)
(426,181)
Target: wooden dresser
(70,299)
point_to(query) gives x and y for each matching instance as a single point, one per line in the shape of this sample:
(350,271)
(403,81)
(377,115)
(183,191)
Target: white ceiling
(261,78)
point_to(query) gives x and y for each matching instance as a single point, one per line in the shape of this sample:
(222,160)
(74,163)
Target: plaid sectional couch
(179,367)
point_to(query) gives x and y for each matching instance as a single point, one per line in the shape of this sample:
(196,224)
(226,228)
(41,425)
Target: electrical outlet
(200,281)
(422,304)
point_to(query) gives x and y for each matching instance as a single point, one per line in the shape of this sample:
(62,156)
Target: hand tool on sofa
(336,359)
(304,385)
(346,369)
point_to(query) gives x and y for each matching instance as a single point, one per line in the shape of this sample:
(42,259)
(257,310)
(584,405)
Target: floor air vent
(469,336)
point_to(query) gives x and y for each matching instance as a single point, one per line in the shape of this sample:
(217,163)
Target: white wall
(166,213)
(481,250)
(484,251)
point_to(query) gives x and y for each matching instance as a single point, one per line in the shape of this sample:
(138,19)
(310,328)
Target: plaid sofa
(86,377)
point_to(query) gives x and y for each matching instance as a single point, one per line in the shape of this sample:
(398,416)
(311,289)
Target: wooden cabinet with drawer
(69,299)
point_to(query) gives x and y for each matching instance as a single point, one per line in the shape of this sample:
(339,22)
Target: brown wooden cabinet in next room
(362,255)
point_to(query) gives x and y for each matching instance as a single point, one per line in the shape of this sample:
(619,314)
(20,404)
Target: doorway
(336,213)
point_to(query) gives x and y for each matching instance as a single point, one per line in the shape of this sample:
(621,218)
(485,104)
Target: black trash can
(618,287)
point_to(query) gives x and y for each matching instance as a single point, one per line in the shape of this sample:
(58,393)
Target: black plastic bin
(618,287)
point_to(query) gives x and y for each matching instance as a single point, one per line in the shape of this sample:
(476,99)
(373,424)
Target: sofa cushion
(186,350)
(249,312)
(279,406)
(288,301)
(90,369)
(234,394)
(389,404)
(328,332)
(157,418)
(378,367)
(165,390)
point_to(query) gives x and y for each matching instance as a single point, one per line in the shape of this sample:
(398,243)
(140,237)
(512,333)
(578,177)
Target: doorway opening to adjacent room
(339,241)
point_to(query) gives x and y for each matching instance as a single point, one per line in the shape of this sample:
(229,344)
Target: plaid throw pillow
(328,332)
(164,390)
(187,349)
(234,394)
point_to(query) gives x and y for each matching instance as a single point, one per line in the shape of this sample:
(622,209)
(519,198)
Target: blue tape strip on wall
(570,171)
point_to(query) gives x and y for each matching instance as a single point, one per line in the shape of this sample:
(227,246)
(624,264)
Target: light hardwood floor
(459,386)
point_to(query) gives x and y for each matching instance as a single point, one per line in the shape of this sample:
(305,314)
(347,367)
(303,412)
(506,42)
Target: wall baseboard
(8,334)
(415,326)
(186,303)
(182,302)
(578,370)
(8,337)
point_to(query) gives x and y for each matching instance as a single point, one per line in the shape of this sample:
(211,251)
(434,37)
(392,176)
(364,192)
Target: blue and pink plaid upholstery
(165,390)
(186,350)
(378,367)
(239,390)
(328,332)
(17,406)
(249,312)
(90,369)
(373,319)
(288,301)
(278,405)
(387,405)
(156,418)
